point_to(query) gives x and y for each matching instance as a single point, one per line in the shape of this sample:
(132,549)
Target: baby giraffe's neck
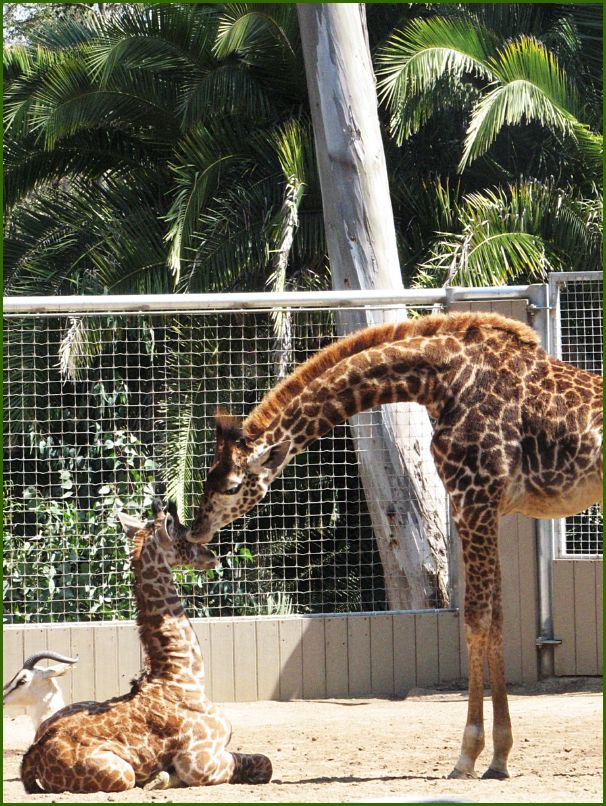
(166,633)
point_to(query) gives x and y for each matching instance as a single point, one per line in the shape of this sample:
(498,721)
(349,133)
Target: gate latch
(548,641)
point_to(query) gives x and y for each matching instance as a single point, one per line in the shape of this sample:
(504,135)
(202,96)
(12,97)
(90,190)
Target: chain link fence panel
(103,412)
(577,300)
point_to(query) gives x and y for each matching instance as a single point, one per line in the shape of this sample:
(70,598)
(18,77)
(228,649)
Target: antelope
(36,687)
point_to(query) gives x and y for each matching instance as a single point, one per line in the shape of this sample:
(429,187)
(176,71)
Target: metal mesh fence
(103,412)
(580,341)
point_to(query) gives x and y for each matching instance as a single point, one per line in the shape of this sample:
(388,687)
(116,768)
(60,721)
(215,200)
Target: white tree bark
(404,494)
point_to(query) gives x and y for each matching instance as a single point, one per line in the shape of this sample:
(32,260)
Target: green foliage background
(164,148)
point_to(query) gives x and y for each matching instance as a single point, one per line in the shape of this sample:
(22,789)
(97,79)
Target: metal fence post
(539,309)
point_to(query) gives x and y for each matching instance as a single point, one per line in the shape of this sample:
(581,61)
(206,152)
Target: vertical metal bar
(540,311)
(555,348)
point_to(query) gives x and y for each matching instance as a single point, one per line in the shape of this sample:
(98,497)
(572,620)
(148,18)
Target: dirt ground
(348,751)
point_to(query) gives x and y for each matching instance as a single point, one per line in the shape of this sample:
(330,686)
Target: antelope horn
(33,659)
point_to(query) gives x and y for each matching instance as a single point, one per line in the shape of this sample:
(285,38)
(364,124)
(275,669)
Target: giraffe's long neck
(415,370)
(166,633)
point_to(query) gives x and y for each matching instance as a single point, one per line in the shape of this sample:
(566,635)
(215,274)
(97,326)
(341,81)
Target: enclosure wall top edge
(146,303)
(78,625)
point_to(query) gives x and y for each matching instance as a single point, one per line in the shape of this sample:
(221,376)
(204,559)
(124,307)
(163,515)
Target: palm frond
(232,251)
(531,86)
(78,346)
(425,52)
(203,158)
(177,461)
(516,233)
(88,238)
(222,90)
(154,38)
(250,29)
(28,165)
(415,111)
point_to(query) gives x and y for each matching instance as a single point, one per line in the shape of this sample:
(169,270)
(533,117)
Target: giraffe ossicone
(165,731)
(516,430)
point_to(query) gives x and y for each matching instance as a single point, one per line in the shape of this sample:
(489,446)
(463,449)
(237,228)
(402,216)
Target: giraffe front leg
(164,779)
(205,767)
(501,732)
(477,528)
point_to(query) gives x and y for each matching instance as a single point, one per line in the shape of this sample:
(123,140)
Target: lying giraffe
(165,732)
(515,430)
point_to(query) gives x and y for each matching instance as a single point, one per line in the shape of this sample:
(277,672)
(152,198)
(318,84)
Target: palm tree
(166,117)
(514,183)
(141,152)
(161,148)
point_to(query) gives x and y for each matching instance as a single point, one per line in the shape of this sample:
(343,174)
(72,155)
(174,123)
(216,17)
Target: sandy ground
(345,751)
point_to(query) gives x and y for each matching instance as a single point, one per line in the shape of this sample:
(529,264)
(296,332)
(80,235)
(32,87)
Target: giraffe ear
(271,457)
(130,525)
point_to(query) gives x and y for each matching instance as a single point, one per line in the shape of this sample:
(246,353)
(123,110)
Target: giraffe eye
(232,490)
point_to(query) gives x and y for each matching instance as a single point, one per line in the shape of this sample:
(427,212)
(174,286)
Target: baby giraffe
(165,729)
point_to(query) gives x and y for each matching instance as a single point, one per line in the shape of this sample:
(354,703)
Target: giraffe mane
(435,324)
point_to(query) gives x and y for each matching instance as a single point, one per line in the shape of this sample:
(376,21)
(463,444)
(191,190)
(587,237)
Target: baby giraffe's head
(167,535)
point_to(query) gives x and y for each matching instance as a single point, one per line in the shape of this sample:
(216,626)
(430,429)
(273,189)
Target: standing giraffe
(165,732)
(515,430)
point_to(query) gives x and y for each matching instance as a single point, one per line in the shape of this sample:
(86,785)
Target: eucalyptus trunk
(403,492)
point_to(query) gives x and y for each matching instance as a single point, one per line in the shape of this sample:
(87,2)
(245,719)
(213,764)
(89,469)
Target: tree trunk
(404,495)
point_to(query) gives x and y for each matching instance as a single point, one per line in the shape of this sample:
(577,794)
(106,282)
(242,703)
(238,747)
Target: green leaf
(530,86)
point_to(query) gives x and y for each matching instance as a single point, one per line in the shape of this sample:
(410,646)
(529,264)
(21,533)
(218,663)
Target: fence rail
(122,303)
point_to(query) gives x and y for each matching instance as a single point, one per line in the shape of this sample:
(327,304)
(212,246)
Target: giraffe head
(168,536)
(238,478)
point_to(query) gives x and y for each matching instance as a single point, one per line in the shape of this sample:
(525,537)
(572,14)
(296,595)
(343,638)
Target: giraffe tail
(29,768)
(251,769)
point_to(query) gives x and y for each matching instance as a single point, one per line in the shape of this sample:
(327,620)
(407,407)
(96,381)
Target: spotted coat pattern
(165,732)
(516,430)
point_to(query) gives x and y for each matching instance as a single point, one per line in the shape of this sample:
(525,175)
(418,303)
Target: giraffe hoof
(497,775)
(159,781)
(461,774)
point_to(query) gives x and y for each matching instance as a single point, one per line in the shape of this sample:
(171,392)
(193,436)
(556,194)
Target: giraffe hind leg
(473,735)
(477,527)
(501,732)
(101,771)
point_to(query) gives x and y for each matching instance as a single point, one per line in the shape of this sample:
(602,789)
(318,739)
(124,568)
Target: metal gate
(576,315)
